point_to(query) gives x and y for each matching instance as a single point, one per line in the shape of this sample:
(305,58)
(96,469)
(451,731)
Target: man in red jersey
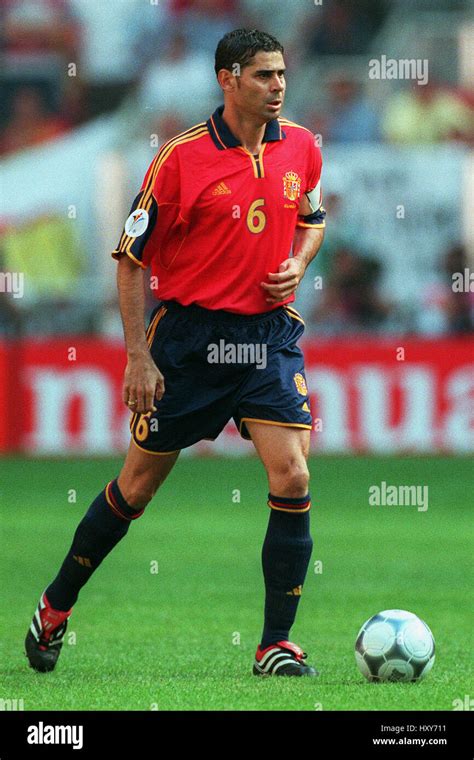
(228,217)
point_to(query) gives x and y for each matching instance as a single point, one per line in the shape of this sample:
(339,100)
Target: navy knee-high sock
(105,523)
(285,557)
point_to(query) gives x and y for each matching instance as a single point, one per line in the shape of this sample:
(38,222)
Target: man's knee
(289,478)
(142,474)
(138,491)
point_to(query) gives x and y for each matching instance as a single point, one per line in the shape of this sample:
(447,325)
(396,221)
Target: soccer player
(221,209)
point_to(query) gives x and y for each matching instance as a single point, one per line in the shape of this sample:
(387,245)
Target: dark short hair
(241,45)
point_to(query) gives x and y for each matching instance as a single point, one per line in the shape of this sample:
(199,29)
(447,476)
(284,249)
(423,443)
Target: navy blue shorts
(219,365)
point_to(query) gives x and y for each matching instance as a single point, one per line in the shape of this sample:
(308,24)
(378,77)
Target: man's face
(260,84)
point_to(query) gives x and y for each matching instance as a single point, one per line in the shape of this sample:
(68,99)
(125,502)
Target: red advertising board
(72,396)
(381,396)
(4,401)
(392,395)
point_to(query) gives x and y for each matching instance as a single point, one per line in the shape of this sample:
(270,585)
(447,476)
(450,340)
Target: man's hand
(143,382)
(285,281)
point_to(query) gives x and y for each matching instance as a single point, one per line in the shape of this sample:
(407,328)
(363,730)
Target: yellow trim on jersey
(130,256)
(182,135)
(147,192)
(217,133)
(188,132)
(254,160)
(122,237)
(260,157)
(288,123)
(147,198)
(155,453)
(165,152)
(311,226)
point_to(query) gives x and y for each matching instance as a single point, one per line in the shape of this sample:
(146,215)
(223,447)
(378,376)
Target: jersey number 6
(256,220)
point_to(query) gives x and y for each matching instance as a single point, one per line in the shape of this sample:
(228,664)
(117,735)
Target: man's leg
(105,523)
(287,546)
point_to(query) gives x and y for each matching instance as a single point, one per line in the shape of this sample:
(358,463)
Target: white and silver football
(395,645)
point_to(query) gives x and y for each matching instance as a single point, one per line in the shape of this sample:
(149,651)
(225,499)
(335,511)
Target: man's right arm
(143,381)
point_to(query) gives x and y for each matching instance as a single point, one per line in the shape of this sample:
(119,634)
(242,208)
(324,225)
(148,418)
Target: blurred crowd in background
(66,63)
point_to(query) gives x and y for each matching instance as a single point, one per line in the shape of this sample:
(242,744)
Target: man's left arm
(307,241)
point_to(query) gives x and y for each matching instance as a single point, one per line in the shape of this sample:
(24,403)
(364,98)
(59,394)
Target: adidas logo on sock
(82,560)
(295,591)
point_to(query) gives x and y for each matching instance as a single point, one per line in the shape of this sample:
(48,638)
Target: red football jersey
(212,220)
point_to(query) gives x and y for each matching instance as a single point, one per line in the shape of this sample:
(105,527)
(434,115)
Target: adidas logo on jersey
(221,189)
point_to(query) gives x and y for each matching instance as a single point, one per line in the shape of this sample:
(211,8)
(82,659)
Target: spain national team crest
(291,186)
(136,223)
(300,383)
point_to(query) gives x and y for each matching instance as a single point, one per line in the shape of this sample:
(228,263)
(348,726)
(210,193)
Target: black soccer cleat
(44,640)
(282,659)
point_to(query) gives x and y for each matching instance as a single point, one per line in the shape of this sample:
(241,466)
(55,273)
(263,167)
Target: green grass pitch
(184,637)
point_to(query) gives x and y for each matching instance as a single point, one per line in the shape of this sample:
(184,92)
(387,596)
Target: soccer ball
(394,645)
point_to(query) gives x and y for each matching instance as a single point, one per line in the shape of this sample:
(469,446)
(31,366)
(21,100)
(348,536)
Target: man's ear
(226,80)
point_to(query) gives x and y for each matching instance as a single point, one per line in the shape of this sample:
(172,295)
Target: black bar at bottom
(147,734)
